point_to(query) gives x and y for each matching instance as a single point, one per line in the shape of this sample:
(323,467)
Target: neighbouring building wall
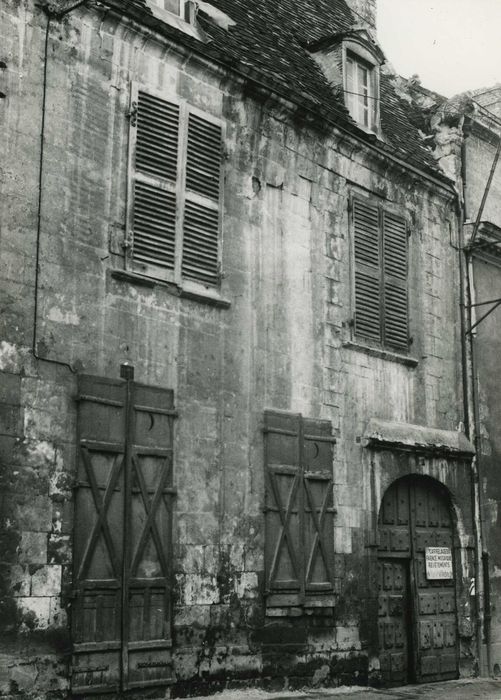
(480,149)
(281,338)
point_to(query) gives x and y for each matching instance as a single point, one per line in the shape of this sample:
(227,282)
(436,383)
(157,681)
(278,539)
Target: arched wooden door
(417,623)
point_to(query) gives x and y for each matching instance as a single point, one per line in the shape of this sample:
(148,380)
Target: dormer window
(361,91)
(350,61)
(174,6)
(180,14)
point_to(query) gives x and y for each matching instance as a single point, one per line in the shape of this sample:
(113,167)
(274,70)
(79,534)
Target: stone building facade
(231,396)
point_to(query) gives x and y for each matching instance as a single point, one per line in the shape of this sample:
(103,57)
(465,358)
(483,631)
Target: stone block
(10,357)
(196,589)
(35,612)
(348,638)
(33,548)
(237,556)
(20,581)
(10,388)
(35,514)
(46,581)
(342,540)
(192,616)
(192,559)
(246,585)
(24,676)
(10,420)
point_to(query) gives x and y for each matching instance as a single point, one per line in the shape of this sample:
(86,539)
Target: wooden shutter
(201,224)
(367,270)
(121,619)
(299,538)
(396,333)
(148,559)
(318,506)
(98,547)
(283,501)
(154,164)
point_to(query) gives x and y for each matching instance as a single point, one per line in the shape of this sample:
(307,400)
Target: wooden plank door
(414,515)
(435,601)
(393,619)
(394,552)
(122,539)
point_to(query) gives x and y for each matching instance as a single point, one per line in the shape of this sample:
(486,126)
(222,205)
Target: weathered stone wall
(285,342)
(488,285)
(480,148)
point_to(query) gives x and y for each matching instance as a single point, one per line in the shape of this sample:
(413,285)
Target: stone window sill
(188,290)
(381,354)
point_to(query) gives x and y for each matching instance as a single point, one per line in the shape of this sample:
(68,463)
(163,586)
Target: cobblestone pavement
(465,689)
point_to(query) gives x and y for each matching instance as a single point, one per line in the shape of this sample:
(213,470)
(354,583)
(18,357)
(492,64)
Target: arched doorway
(417,620)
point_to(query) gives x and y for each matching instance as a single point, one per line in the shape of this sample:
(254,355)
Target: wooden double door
(417,618)
(121,611)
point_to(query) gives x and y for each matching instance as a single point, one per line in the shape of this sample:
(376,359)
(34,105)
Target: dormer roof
(362,36)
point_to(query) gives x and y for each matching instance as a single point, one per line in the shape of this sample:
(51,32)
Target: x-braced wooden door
(121,616)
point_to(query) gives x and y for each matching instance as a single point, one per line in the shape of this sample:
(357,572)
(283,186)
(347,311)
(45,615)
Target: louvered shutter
(318,506)
(367,270)
(201,223)
(396,333)
(154,166)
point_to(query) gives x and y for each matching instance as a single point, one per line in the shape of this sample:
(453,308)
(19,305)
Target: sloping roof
(268,43)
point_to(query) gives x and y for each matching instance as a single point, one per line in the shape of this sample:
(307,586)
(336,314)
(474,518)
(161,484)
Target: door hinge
(132,114)
(128,242)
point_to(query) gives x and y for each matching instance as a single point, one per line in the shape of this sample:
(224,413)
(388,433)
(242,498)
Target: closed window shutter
(299,538)
(283,558)
(395,254)
(367,270)
(155,172)
(318,506)
(200,260)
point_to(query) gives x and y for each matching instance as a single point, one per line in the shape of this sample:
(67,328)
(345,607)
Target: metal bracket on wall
(496,302)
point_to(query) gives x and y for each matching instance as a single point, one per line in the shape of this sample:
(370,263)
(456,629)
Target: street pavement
(464,689)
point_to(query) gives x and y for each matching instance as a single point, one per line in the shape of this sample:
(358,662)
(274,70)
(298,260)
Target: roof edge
(381,434)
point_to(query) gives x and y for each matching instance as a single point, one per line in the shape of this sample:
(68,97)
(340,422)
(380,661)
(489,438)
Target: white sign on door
(438,563)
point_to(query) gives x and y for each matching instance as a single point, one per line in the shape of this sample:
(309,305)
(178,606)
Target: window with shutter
(299,541)
(174,219)
(380,243)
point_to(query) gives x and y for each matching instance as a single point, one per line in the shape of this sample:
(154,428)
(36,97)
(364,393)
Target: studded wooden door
(121,615)
(415,515)
(393,613)
(435,600)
